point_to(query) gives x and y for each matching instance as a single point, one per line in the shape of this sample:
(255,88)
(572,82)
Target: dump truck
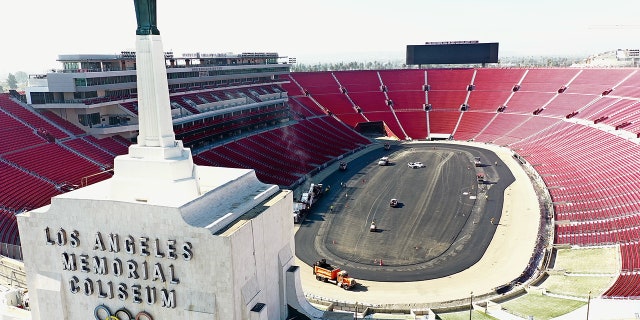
(327,273)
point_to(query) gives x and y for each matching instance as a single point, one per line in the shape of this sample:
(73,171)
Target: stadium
(571,134)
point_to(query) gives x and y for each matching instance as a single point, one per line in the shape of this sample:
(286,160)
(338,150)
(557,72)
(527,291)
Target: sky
(35,32)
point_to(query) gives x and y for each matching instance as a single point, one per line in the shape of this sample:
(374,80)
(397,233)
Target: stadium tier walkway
(503,315)
(606,309)
(506,258)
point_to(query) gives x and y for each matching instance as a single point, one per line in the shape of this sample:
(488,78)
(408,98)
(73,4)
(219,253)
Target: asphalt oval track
(443,225)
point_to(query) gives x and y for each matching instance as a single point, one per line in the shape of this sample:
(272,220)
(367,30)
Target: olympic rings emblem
(120,314)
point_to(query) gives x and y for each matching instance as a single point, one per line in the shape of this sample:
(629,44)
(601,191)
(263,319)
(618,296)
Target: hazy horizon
(314,31)
(311,59)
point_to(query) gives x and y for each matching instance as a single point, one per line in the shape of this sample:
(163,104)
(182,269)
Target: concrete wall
(208,276)
(12,273)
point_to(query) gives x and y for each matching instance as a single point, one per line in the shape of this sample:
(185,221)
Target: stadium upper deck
(98,93)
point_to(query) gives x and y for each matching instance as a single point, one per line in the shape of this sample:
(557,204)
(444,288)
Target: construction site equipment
(327,273)
(307,200)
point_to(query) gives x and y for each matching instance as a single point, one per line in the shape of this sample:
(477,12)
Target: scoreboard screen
(452,53)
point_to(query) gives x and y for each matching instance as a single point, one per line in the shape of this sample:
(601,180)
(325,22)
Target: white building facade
(88,257)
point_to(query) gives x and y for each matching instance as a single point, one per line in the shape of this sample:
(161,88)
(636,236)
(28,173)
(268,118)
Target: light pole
(588,304)
(471,305)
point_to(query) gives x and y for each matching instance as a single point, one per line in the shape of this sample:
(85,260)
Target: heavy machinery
(307,200)
(383,161)
(327,273)
(373,227)
(299,211)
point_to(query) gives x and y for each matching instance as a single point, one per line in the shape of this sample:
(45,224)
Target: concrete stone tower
(163,238)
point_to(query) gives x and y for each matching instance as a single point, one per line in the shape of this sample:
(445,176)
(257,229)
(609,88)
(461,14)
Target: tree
(22,77)
(1,89)
(12,82)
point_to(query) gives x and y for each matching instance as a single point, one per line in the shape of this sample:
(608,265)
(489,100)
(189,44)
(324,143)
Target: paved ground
(441,226)
(509,246)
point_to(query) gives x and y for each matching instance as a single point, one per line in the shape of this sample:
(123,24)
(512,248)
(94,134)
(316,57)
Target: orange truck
(325,272)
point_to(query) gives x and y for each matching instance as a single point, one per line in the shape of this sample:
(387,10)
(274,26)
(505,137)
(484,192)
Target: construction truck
(327,273)
(307,200)
(310,197)
(299,211)
(384,161)
(373,227)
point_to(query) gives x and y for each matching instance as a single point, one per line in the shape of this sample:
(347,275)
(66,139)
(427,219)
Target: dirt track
(443,236)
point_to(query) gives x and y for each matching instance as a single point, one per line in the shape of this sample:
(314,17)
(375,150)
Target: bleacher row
(592,178)
(8,227)
(207,128)
(133,96)
(398,98)
(591,174)
(34,168)
(628,283)
(191,101)
(284,155)
(589,171)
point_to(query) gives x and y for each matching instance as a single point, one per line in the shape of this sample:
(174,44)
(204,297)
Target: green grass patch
(541,306)
(464,315)
(577,286)
(592,260)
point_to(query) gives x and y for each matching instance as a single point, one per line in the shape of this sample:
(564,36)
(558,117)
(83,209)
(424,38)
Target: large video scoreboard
(452,52)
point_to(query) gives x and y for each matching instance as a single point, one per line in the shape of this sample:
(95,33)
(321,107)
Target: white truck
(415,165)
(307,200)
(299,211)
